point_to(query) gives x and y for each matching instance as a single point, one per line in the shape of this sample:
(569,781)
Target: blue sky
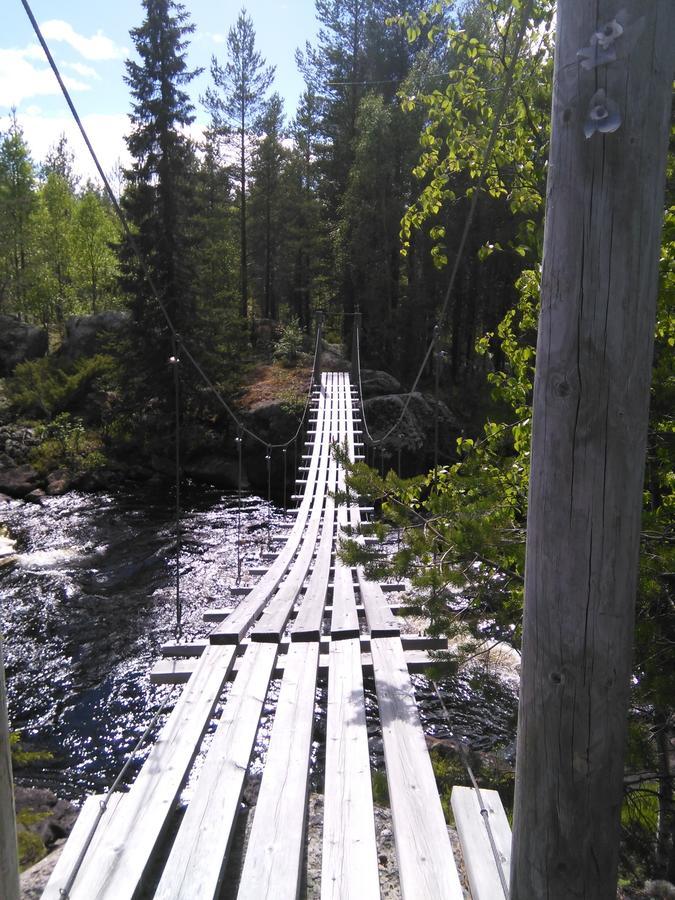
(90,42)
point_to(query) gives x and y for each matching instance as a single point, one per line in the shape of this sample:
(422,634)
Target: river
(92,597)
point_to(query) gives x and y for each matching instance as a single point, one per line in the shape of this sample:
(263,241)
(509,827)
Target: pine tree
(158,200)
(235,102)
(17,202)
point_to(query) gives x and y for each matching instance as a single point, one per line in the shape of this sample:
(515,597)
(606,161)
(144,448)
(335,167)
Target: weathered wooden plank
(381,620)
(408,641)
(236,625)
(128,840)
(427,868)
(273,621)
(307,625)
(178,671)
(77,839)
(349,868)
(276,844)
(344,618)
(195,865)
(479,860)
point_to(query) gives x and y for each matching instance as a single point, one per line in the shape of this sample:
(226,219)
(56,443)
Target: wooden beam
(604,213)
(479,859)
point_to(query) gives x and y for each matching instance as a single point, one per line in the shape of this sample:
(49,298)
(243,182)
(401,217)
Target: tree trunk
(9,863)
(594,352)
(244,250)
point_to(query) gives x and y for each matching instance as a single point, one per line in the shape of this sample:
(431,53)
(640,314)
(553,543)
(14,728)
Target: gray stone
(415,431)
(375,383)
(19,342)
(59,482)
(19,482)
(86,335)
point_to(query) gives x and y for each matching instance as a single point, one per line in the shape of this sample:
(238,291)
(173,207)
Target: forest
(409,185)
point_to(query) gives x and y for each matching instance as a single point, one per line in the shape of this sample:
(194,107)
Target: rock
(19,342)
(34,880)
(86,335)
(55,817)
(16,443)
(19,481)
(36,496)
(375,383)
(416,429)
(215,469)
(59,482)
(333,358)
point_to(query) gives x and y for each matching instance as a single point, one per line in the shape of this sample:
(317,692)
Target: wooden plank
(77,839)
(307,625)
(344,619)
(408,641)
(239,621)
(197,859)
(274,619)
(479,860)
(427,868)
(178,671)
(349,868)
(276,845)
(128,840)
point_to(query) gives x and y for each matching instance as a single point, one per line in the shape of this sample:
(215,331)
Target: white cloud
(96,47)
(20,79)
(106,133)
(82,69)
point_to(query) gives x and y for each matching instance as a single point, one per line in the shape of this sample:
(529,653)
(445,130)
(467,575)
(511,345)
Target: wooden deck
(308,618)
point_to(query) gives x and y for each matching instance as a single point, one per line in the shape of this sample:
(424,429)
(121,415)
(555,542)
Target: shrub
(287,349)
(46,387)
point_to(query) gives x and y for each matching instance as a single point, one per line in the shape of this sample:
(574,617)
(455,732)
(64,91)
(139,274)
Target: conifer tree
(158,199)
(235,103)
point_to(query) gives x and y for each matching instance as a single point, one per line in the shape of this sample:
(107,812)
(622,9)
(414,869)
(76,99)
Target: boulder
(333,358)
(19,342)
(19,481)
(415,432)
(86,335)
(55,817)
(375,383)
(59,482)
(16,443)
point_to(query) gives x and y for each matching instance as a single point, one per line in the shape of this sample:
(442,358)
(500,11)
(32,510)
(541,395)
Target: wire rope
(175,365)
(139,256)
(77,865)
(483,809)
(489,147)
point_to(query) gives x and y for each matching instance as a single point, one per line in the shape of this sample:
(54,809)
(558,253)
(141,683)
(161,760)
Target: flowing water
(92,597)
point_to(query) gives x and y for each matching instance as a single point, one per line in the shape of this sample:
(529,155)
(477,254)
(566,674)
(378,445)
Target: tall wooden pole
(594,353)
(9,863)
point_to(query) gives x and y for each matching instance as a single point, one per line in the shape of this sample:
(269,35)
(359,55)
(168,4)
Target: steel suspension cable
(139,256)
(489,147)
(77,865)
(483,809)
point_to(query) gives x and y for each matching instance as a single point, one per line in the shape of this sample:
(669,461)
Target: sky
(90,42)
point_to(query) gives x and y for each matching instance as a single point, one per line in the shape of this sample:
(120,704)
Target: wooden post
(9,862)
(594,353)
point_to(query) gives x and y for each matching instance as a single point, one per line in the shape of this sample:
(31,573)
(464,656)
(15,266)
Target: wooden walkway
(308,617)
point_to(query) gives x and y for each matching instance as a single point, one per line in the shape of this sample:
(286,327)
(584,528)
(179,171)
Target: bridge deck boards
(127,841)
(426,866)
(349,869)
(194,868)
(324,636)
(272,867)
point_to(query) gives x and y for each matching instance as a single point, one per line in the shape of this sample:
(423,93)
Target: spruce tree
(235,103)
(158,199)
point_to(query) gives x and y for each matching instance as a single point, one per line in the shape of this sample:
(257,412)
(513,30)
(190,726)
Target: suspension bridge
(309,618)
